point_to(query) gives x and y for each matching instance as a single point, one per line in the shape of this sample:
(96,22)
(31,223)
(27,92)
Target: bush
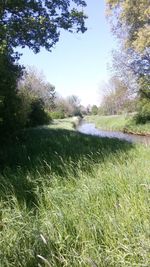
(143,114)
(57,115)
(38,115)
(10,121)
(94,110)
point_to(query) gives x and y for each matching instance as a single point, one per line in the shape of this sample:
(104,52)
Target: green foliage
(10,119)
(57,115)
(34,24)
(69,106)
(26,99)
(131,17)
(37,97)
(114,122)
(66,123)
(20,108)
(143,114)
(35,85)
(123,123)
(38,115)
(78,112)
(144,86)
(94,110)
(74,103)
(130,23)
(37,23)
(143,109)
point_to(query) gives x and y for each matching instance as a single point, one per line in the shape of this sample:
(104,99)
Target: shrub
(10,121)
(57,115)
(94,110)
(143,114)
(38,115)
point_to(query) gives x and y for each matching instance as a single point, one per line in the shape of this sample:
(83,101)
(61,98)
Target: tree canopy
(116,98)
(34,82)
(131,21)
(37,23)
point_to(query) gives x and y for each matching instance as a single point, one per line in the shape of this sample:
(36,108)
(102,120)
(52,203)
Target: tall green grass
(69,199)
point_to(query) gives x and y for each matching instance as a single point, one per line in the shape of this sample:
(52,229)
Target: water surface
(89,128)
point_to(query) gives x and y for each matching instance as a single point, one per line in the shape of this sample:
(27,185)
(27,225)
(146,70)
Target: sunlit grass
(119,123)
(74,200)
(66,123)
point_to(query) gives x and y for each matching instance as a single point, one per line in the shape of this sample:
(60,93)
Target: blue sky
(78,63)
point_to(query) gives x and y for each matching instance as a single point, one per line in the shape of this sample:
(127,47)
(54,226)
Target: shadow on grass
(43,152)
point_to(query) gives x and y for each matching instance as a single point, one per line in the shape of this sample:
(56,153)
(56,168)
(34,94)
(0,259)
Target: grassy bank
(69,199)
(119,123)
(66,124)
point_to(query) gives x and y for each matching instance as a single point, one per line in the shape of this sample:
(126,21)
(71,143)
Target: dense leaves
(37,23)
(38,116)
(94,110)
(9,101)
(131,22)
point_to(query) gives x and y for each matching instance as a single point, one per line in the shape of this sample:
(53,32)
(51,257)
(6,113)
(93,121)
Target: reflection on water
(89,128)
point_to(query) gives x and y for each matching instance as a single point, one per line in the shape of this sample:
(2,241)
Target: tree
(38,116)
(94,110)
(130,22)
(62,106)
(9,101)
(34,24)
(67,107)
(35,84)
(74,103)
(36,96)
(116,98)
(122,68)
(37,23)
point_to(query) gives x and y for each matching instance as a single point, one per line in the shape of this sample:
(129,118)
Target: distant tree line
(40,102)
(117,98)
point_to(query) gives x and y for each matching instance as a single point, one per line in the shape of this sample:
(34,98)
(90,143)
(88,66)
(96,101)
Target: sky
(78,63)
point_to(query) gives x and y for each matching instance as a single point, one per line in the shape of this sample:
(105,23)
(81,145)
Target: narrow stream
(89,128)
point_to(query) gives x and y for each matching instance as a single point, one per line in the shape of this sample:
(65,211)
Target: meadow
(123,123)
(69,199)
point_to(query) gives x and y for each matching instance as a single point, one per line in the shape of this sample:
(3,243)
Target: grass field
(119,123)
(72,200)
